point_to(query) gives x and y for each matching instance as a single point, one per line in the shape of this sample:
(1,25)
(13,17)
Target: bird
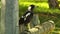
(27,16)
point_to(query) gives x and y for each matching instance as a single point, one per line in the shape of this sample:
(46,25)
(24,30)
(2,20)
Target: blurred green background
(42,9)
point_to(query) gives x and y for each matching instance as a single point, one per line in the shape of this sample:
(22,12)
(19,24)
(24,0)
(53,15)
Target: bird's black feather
(26,18)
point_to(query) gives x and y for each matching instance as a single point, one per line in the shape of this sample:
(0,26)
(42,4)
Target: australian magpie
(26,17)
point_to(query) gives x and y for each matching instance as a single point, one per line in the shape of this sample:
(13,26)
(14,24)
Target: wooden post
(11,17)
(35,21)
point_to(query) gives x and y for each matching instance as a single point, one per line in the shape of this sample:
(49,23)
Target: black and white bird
(26,17)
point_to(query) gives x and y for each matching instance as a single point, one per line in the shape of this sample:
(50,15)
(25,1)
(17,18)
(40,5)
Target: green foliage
(33,0)
(40,7)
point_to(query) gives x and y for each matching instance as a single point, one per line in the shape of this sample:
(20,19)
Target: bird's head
(31,7)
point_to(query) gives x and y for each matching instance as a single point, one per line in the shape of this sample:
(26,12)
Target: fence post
(11,17)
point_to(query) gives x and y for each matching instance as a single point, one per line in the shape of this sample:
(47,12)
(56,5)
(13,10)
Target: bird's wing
(28,14)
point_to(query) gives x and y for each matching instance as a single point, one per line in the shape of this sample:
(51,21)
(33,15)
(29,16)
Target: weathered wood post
(35,21)
(11,16)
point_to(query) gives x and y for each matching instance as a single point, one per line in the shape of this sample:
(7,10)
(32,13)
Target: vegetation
(42,9)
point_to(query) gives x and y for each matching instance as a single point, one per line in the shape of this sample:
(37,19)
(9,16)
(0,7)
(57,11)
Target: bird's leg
(28,26)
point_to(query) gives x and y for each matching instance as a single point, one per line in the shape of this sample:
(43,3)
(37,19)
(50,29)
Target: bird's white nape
(29,8)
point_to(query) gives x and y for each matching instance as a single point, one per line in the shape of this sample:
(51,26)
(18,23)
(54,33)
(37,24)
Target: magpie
(26,17)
